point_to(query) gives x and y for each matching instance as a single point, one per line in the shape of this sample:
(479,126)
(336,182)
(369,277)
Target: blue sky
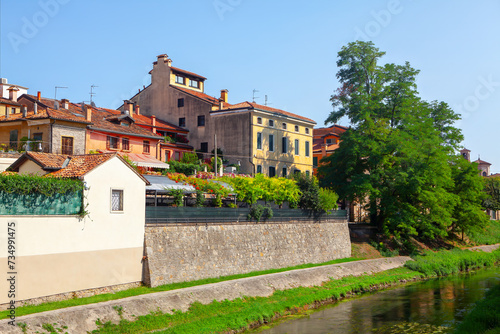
(286,50)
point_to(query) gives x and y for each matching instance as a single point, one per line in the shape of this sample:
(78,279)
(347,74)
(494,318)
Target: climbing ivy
(28,183)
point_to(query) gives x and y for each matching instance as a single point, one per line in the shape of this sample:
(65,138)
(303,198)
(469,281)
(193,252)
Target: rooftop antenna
(265,101)
(92,92)
(253,95)
(55,93)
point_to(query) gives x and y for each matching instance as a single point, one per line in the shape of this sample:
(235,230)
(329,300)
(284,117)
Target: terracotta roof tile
(176,69)
(160,124)
(482,162)
(79,165)
(7,101)
(47,160)
(200,95)
(252,105)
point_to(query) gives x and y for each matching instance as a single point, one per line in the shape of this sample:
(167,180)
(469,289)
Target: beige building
(61,254)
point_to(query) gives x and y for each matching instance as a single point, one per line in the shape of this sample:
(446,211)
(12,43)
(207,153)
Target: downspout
(51,138)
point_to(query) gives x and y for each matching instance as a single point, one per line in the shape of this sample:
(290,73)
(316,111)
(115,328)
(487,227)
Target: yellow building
(264,140)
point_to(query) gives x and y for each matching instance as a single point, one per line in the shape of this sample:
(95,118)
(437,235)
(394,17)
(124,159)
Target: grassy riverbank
(30,309)
(243,313)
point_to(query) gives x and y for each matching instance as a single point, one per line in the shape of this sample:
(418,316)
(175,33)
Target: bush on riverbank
(490,235)
(453,261)
(485,317)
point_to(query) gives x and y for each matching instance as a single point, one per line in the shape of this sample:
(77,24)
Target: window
(315,161)
(180,103)
(179,80)
(296,147)
(145,146)
(177,156)
(271,123)
(67,145)
(204,147)
(37,138)
(259,120)
(307,173)
(284,144)
(116,200)
(331,141)
(283,126)
(13,139)
(271,143)
(272,171)
(307,131)
(284,172)
(307,148)
(182,122)
(201,120)
(125,144)
(194,83)
(13,111)
(259,169)
(111,142)
(259,140)
(296,128)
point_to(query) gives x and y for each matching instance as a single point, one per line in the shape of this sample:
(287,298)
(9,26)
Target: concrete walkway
(80,319)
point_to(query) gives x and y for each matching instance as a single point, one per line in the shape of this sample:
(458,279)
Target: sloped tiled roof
(200,95)
(44,160)
(482,162)
(7,101)
(79,165)
(252,105)
(160,124)
(320,133)
(176,69)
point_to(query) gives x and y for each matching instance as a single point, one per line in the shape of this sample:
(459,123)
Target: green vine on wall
(27,183)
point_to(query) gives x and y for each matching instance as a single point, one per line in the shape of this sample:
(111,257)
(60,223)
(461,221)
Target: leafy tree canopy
(398,157)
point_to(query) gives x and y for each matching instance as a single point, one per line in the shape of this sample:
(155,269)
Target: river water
(432,306)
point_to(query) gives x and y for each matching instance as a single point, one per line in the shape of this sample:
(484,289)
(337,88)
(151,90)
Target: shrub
(190,158)
(184,168)
(46,185)
(327,199)
(178,195)
(259,211)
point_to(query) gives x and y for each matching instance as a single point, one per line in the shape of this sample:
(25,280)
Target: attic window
(307,131)
(124,124)
(194,83)
(179,80)
(259,120)
(296,128)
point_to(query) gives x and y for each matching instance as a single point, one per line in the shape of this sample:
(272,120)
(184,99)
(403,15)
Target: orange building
(325,141)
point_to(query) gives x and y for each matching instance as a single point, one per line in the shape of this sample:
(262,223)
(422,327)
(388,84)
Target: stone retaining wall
(187,252)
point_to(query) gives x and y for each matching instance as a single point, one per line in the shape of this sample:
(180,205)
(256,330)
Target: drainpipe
(251,142)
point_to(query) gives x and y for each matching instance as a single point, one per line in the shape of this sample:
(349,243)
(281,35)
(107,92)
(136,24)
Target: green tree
(397,154)
(491,200)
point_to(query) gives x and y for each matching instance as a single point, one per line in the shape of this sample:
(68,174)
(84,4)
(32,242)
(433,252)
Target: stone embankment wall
(177,253)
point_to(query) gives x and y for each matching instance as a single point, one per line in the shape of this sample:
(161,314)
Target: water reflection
(437,302)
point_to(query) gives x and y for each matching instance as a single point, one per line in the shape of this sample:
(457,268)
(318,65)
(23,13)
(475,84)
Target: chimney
(3,81)
(56,105)
(13,93)
(65,103)
(35,107)
(221,103)
(223,95)
(153,123)
(38,96)
(137,109)
(128,107)
(24,110)
(88,113)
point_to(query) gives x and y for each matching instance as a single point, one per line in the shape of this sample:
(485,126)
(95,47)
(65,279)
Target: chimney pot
(13,93)
(24,110)
(137,109)
(38,96)
(35,108)
(56,105)
(128,107)
(223,95)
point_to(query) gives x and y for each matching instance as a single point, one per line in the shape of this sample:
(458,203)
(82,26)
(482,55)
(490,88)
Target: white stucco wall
(57,254)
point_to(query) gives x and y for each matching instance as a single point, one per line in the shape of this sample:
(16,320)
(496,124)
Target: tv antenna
(265,100)
(92,92)
(55,93)
(253,95)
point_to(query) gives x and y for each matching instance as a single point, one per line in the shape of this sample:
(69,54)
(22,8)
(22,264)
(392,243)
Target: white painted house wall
(58,254)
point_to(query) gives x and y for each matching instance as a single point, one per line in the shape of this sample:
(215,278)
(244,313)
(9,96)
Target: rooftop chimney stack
(38,96)
(13,93)
(153,123)
(56,105)
(128,107)
(88,113)
(24,110)
(137,109)
(223,95)
(65,103)
(35,107)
